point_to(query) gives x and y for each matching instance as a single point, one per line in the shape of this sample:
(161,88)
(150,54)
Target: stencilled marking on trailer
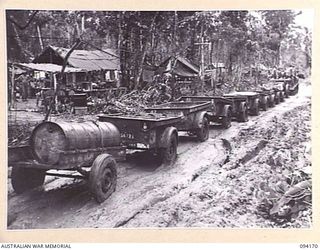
(126,135)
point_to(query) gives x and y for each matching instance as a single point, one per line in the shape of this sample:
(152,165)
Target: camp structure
(180,67)
(215,73)
(90,65)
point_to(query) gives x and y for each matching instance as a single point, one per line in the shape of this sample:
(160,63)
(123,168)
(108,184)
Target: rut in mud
(217,183)
(229,195)
(137,190)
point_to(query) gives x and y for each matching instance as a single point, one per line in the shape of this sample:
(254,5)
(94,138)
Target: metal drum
(50,141)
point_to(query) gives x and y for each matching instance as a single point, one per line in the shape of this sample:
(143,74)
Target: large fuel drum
(51,141)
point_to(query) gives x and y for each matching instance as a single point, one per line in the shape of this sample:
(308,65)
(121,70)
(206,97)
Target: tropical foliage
(239,39)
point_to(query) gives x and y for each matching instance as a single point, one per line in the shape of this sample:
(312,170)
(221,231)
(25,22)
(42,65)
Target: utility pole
(202,44)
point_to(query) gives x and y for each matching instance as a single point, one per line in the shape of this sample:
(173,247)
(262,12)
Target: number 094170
(308,246)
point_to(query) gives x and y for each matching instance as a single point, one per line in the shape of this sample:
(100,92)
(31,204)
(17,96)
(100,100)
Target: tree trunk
(144,52)
(124,49)
(213,48)
(119,30)
(174,34)
(40,38)
(19,43)
(13,98)
(230,64)
(278,55)
(239,69)
(192,42)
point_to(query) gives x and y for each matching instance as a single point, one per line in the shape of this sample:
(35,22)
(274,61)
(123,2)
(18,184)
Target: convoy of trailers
(91,149)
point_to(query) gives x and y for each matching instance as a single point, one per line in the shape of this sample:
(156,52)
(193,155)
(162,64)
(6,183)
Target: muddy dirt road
(218,183)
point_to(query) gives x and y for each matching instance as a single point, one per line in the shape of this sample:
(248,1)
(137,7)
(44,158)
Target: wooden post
(55,87)
(175,34)
(202,65)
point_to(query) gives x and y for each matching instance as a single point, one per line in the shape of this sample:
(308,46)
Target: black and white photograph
(159,119)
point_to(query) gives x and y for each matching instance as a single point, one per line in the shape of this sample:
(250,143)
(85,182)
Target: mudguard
(285,87)
(198,119)
(272,97)
(256,103)
(164,138)
(294,90)
(225,110)
(293,87)
(264,100)
(242,107)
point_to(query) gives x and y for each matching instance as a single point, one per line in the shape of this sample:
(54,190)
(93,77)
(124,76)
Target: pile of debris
(131,103)
(287,194)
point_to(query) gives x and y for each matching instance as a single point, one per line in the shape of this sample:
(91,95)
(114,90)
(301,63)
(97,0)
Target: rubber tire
(226,120)
(277,98)
(256,110)
(286,92)
(103,177)
(23,179)
(281,96)
(243,116)
(270,102)
(264,105)
(203,132)
(168,155)
(296,90)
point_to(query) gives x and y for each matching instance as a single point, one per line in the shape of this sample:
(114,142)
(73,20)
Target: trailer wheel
(243,115)
(23,179)
(255,108)
(226,120)
(281,96)
(169,154)
(203,132)
(296,90)
(264,104)
(277,98)
(103,177)
(271,102)
(286,91)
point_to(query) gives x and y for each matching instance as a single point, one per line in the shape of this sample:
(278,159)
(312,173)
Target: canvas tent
(178,66)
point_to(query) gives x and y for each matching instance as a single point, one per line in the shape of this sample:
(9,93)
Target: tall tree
(277,25)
